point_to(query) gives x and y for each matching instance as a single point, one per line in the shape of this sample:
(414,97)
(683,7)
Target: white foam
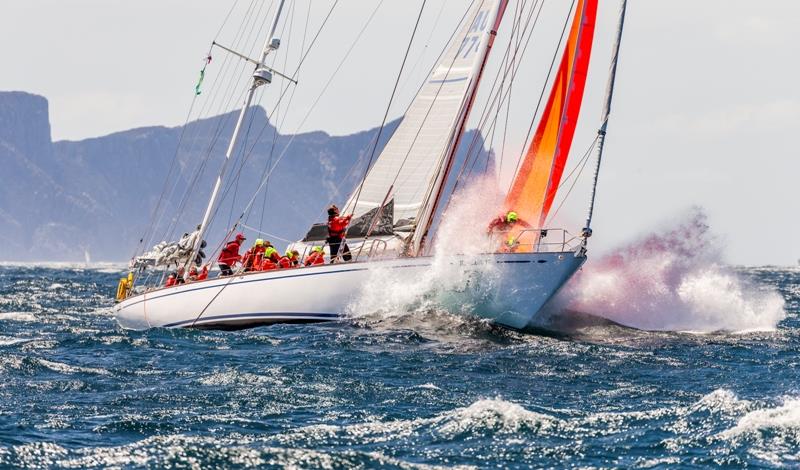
(8,341)
(783,417)
(17,316)
(673,281)
(495,414)
(388,295)
(69,369)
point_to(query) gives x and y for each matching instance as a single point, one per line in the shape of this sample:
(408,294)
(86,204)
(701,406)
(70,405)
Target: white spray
(673,281)
(388,298)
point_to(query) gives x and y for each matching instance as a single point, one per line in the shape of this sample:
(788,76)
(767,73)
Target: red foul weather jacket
(315,258)
(268,265)
(230,254)
(337,226)
(500,224)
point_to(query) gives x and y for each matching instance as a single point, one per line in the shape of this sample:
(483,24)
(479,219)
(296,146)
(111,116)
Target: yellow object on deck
(124,287)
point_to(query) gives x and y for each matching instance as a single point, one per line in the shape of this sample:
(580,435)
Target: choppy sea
(703,374)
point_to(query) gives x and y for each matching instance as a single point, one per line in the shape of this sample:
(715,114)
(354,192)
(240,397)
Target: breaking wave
(673,281)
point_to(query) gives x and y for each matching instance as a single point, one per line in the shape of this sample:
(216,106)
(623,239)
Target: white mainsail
(411,167)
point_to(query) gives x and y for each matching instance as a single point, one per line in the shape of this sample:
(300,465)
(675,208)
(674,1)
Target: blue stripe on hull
(255,316)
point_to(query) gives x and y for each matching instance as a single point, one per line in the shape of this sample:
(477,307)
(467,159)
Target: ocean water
(717,384)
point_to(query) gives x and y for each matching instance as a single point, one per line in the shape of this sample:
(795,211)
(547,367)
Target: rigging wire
(544,86)
(312,107)
(513,71)
(360,160)
(389,105)
(222,123)
(582,164)
(197,128)
(151,226)
(425,119)
(491,102)
(282,117)
(310,110)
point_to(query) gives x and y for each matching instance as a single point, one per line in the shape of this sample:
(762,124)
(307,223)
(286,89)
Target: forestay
(410,169)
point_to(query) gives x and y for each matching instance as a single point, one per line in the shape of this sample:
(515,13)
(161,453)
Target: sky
(706,111)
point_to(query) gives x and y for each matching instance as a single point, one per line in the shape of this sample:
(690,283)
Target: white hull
(517,288)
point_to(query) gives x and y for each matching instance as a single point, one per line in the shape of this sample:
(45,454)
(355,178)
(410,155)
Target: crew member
(270,258)
(505,222)
(289,260)
(510,245)
(252,255)
(192,274)
(230,255)
(316,257)
(337,227)
(170,280)
(203,274)
(268,265)
(180,278)
(270,253)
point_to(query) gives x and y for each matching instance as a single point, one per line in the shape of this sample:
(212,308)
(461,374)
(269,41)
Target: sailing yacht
(395,204)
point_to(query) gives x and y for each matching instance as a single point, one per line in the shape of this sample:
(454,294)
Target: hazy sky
(706,113)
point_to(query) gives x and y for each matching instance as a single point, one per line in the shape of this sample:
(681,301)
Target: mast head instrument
(262,76)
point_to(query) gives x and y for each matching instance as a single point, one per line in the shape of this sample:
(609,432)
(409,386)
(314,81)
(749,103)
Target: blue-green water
(414,390)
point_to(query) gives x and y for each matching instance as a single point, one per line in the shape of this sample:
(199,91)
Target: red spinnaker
(535,185)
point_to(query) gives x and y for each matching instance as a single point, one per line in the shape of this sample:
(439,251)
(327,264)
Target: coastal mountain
(65,200)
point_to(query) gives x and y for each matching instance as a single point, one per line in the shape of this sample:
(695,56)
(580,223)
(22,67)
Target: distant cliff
(60,200)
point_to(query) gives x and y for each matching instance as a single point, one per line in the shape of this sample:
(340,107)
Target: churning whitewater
(412,379)
(400,388)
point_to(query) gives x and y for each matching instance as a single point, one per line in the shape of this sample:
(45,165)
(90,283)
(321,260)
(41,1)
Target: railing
(367,249)
(530,240)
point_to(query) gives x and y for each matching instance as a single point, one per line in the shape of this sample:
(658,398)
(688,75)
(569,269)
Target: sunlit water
(398,391)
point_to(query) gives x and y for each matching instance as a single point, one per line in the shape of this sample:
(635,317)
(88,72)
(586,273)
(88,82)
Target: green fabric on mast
(202,75)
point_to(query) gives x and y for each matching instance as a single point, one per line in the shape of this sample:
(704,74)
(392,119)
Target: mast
(430,210)
(601,133)
(261,76)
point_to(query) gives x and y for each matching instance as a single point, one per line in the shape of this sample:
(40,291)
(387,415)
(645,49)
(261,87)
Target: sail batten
(535,186)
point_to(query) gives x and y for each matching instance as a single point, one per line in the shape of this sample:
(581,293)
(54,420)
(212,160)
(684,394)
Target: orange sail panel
(536,183)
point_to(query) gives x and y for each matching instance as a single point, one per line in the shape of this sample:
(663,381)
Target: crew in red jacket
(252,257)
(505,222)
(316,257)
(337,228)
(230,255)
(203,274)
(289,260)
(268,265)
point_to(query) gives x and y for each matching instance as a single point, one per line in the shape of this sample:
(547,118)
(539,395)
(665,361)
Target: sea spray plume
(673,281)
(389,299)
